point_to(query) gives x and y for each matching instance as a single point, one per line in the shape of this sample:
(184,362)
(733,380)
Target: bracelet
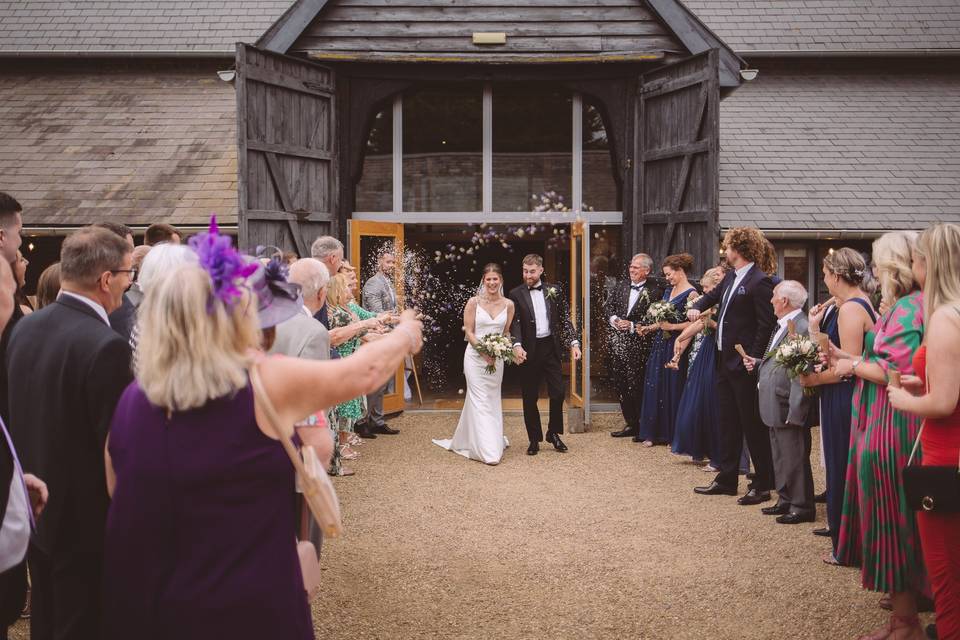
(856,363)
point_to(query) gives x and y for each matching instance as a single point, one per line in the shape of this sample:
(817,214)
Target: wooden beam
(284,32)
(283,216)
(680,217)
(273,165)
(280,79)
(485,57)
(700,146)
(289,150)
(657,89)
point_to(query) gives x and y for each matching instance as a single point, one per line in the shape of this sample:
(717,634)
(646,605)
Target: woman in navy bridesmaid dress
(663,386)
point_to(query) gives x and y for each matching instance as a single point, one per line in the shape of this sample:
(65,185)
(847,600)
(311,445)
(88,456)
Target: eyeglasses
(132,272)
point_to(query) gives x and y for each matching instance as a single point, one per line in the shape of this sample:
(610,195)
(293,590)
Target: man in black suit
(124,317)
(537,329)
(745,317)
(625,309)
(68,369)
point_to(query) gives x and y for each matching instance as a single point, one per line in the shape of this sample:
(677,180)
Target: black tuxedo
(543,355)
(67,370)
(747,318)
(629,350)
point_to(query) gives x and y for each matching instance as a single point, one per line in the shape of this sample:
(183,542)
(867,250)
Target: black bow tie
(636,287)
(539,287)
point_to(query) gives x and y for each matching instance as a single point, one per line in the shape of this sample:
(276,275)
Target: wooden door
(287,160)
(676,150)
(579,269)
(367,241)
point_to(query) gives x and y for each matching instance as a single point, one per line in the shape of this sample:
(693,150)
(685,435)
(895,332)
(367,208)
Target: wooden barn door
(287,169)
(677,153)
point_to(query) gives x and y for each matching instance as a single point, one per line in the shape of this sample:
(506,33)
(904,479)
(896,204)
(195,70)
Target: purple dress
(200,540)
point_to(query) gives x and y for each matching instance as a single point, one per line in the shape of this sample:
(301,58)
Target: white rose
(786,351)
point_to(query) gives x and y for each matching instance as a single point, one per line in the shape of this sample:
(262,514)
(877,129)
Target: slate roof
(832,25)
(133,146)
(859,151)
(103,25)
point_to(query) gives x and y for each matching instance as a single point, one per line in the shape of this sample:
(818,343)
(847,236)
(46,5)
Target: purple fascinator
(226,267)
(278,300)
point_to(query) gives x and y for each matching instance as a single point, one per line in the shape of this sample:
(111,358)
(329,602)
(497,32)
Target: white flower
(786,350)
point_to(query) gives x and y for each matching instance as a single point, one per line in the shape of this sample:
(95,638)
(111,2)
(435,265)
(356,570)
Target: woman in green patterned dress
(878,530)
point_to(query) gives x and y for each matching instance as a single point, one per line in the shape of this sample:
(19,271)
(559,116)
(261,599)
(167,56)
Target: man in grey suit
(379,296)
(303,336)
(788,412)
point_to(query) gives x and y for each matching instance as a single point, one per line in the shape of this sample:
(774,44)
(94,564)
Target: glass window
(532,147)
(443,149)
(375,189)
(606,268)
(600,189)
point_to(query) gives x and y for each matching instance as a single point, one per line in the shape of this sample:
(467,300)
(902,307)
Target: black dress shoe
(533,449)
(557,443)
(822,531)
(714,489)
(637,438)
(384,429)
(776,510)
(365,433)
(625,433)
(820,498)
(794,518)
(753,497)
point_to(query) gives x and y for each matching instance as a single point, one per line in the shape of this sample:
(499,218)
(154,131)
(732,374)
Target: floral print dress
(878,530)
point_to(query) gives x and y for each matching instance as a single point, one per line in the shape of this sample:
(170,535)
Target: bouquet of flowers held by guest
(799,355)
(662,311)
(496,346)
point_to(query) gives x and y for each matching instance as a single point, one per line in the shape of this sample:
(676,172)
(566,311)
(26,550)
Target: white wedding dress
(479,434)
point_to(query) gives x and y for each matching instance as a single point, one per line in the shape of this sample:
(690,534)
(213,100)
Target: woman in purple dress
(200,540)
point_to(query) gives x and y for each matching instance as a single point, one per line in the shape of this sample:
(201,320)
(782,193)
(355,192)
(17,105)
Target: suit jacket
(302,336)
(632,344)
(69,369)
(123,318)
(782,401)
(524,327)
(749,319)
(378,294)
(6,456)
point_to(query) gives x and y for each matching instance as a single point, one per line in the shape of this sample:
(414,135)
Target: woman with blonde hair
(845,319)
(341,314)
(878,529)
(48,286)
(200,537)
(937,267)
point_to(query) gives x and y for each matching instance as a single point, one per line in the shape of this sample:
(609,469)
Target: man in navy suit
(746,319)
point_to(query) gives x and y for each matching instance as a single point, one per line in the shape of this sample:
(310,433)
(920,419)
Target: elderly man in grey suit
(303,336)
(379,296)
(788,412)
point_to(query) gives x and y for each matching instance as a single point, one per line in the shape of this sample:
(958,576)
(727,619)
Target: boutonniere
(551,292)
(644,295)
(741,291)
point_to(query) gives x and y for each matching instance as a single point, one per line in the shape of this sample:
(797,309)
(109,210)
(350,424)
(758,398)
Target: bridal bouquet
(496,346)
(798,354)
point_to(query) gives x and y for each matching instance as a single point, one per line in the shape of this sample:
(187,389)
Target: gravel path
(606,541)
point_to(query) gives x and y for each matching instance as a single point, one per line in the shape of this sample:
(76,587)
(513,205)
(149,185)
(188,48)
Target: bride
(479,434)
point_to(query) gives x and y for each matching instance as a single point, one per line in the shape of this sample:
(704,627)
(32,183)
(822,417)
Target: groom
(537,327)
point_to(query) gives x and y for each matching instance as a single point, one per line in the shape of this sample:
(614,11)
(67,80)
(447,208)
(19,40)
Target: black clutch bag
(934,489)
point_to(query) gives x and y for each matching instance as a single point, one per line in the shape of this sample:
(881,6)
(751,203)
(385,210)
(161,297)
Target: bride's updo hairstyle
(494,267)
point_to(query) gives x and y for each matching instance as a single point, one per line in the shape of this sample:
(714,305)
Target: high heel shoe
(347,453)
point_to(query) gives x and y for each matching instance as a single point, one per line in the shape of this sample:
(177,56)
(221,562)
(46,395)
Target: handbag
(313,481)
(933,489)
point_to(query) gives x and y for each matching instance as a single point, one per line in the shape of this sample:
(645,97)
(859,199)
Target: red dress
(940,532)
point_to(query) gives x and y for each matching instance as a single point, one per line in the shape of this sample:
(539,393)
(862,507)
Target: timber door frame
(393,402)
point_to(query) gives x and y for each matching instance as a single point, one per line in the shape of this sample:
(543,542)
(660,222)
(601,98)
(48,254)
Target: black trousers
(739,419)
(13,595)
(629,366)
(542,364)
(66,601)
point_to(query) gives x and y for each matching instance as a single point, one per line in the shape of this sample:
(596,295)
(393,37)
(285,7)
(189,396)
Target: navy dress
(200,539)
(697,423)
(662,387)
(836,405)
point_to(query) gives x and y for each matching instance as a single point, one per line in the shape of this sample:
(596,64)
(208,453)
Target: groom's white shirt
(540,311)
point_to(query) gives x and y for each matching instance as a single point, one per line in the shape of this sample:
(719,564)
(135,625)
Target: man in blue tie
(745,321)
